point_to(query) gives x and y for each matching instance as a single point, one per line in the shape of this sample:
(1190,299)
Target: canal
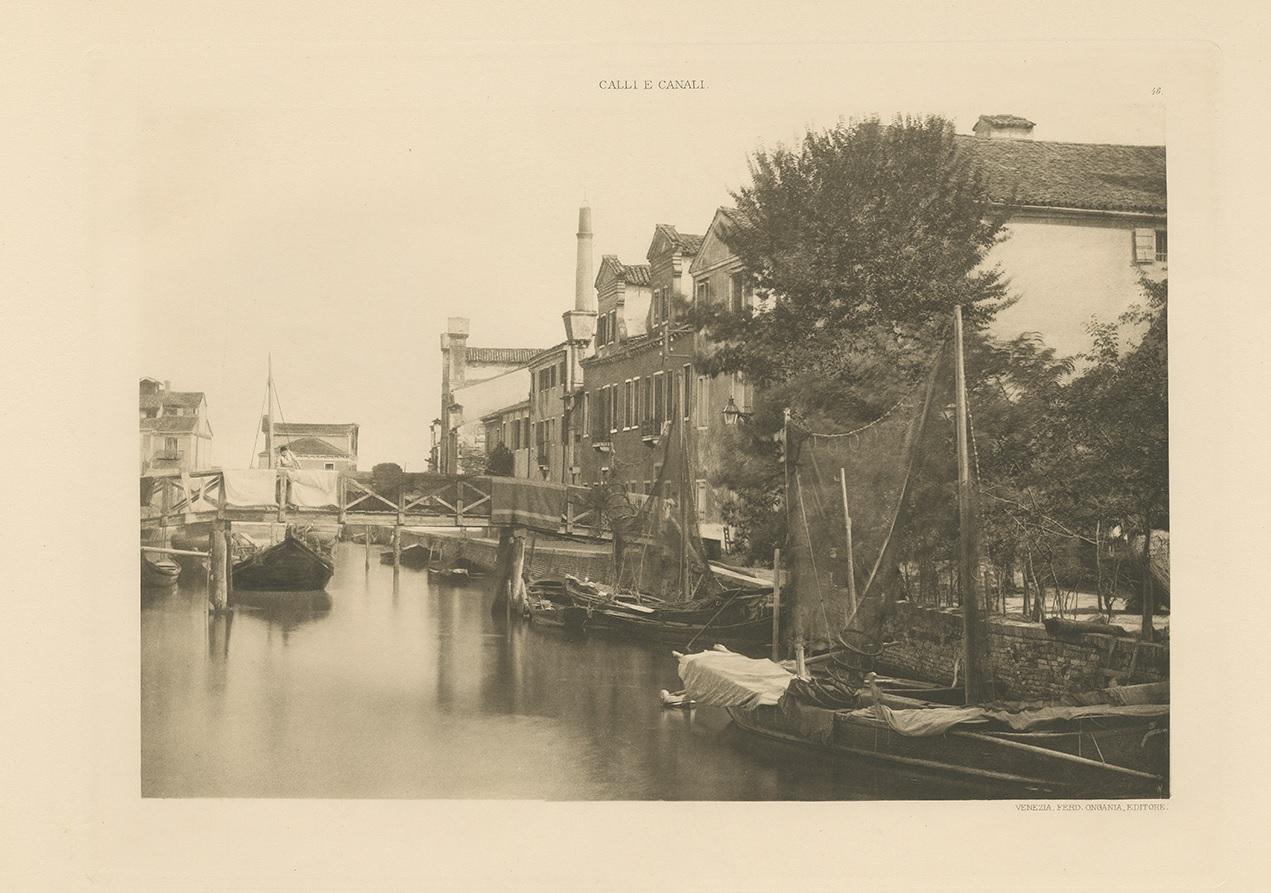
(407,687)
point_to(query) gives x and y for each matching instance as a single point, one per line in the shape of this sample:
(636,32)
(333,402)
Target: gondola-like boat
(289,566)
(159,570)
(458,570)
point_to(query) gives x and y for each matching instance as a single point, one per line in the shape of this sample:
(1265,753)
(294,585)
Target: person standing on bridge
(286,459)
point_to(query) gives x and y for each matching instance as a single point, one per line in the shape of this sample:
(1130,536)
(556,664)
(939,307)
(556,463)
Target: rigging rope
(251,463)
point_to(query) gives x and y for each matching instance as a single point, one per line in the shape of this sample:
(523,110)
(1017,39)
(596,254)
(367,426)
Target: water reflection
(403,686)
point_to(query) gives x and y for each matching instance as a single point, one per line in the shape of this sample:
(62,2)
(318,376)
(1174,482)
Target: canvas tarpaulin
(927,721)
(534,504)
(313,489)
(723,678)
(251,487)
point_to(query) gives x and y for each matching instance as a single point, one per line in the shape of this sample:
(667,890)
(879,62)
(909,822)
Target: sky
(331,206)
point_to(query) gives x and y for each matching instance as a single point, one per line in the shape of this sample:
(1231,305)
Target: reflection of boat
(459,569)
(284,604)
(415,555)
(290,566)
(158,570)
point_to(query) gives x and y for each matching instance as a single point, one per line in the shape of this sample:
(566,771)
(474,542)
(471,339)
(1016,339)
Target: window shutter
(1144,246)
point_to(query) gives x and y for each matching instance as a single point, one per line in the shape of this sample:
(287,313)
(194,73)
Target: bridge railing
(173,498)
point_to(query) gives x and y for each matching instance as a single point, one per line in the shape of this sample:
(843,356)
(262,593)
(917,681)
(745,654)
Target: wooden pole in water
(229,559)
(966,524)
(799,664)
(368,547)
(851,564)
(518,567)
(220,584)
(776,604)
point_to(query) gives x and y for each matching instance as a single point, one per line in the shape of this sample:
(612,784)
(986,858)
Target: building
(1087,220)
(510,426)
(174,427)
(475,382)
(332,447)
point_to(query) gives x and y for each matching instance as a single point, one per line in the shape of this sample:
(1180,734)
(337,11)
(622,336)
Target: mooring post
(219,595)
(776,605)
(518,567)
(368,548)
(397,547)
(229,559)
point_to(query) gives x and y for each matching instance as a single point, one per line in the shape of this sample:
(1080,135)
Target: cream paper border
(73,818)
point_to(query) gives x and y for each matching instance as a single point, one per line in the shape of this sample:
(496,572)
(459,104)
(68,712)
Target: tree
(501,462)
(859,242)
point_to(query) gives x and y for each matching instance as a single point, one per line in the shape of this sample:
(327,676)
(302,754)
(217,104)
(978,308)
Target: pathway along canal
(414,690)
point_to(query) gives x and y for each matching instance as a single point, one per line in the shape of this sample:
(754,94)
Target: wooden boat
(413,556)
(290,566)
(459,569)
(158,570)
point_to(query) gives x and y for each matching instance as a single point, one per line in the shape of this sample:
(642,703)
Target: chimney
(580,323)
(998,127)
(584,299)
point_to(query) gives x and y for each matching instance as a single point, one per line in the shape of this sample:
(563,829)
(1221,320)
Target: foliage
(858,243)
(501,462)
(386,476)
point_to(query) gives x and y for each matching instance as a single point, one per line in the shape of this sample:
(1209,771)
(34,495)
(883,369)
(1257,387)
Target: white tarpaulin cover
(725,679)
(927,721)
(251,487)
(313,489)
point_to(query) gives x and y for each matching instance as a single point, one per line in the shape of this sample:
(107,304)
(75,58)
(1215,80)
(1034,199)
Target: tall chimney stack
(584,298)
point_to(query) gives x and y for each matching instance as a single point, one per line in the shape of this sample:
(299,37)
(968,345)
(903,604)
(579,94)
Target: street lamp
(732,414)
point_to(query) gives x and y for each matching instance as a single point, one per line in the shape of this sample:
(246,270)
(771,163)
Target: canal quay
(407,687)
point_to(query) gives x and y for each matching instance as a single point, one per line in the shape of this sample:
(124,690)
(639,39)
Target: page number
(1156,91)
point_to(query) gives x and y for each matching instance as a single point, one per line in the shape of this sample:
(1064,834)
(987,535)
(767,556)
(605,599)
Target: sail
(894,477)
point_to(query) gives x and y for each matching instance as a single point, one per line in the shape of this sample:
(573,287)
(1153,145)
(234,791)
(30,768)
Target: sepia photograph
(829,463)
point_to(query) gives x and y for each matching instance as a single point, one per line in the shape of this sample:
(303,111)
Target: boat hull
(159,571)
(1111,757)
(289,566)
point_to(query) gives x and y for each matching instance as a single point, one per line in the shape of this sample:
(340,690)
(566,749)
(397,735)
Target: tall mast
(966,526)
(269,415)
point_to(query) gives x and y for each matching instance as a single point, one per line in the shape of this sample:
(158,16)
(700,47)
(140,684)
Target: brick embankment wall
(1023,655)
(545,559)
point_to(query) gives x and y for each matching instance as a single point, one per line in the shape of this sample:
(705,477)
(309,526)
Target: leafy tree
(386,477)
(501,462)
(859,242)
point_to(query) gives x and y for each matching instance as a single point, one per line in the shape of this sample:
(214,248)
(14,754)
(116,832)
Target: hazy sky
(334,206)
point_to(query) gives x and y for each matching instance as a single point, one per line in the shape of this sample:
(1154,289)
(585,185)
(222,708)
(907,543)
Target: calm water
(414,690)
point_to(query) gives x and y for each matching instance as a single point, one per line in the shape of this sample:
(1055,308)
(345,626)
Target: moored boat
(459,569)
(413,556)
(289,566)
(159,570)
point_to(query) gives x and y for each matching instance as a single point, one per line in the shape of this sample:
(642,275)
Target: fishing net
(896,478)
(657,544)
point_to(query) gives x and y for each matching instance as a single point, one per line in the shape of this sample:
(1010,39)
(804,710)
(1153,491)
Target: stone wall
(1024,656)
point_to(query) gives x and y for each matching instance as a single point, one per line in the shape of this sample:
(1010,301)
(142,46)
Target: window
(671,388)
(635,403)
(646,403)
(170,443)
(703,291)
(561,373)
(613,408)
(586,428)
(1145,246)
(330,466)
(702,406)
(738,292)
(659,398)
(687,391)
(613,326)
(600,329)
(658,310)
(1160,245)
(701,501)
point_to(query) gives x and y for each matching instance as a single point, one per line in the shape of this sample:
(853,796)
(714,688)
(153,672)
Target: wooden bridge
(176,499)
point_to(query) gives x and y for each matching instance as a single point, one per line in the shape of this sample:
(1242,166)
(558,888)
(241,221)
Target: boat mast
(269,415)
(966,525)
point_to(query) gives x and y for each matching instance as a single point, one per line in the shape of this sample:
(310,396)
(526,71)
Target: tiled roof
(687,243)
(501,356)
(523,406)
(315,448)
(191,399)
(1092,176)
(1005,121)
(635,274)
(306,429)
(171,424)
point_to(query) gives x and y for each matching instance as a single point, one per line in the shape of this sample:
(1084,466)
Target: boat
(158,570)
(1108,743)
(457,570)
(416,555)
(291,565)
